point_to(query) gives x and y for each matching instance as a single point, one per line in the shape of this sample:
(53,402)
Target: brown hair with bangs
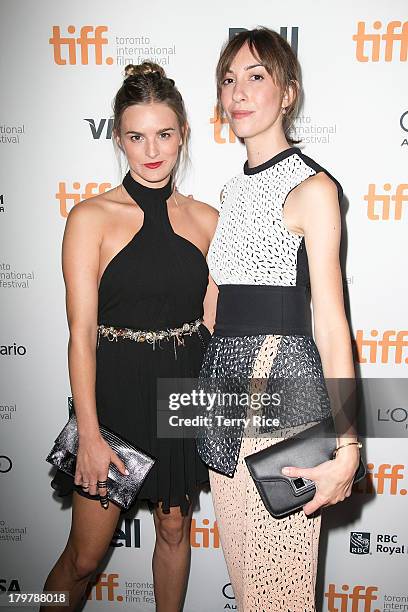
(276,55)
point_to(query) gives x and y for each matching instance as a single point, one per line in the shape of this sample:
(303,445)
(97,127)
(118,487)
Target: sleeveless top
(251,245)
(263,320)
(155,282)
(159,279)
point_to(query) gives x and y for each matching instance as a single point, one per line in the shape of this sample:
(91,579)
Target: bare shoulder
(313,206)
(94,211)
(319,185)
(316,200)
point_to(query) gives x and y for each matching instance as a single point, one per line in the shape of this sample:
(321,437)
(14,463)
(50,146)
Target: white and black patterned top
(252,246)
(264,293)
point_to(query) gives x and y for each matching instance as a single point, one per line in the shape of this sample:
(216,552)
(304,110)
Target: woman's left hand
(333,479)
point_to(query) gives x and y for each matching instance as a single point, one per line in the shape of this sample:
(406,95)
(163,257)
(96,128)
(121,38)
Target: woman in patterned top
(275,247)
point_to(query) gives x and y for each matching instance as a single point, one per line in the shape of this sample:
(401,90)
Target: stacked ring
(102,484)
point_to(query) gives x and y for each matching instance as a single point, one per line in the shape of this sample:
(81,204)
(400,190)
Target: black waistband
(252,310)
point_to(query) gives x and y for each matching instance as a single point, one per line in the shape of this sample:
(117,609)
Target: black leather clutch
(282,494)
(121,489)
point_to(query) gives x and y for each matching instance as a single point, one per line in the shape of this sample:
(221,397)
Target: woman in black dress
(135,258)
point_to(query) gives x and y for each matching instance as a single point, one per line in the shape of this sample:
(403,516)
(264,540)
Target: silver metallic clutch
(121,489)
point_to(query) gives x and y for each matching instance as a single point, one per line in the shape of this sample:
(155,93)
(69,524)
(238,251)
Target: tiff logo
(396,31)
(219,124)
(374,482)
(204,533)
(91,189)
(104,588)
(89,36)
(283,31)
(2,202)
(384,200)
(366,595)
(390,339)
(97,130)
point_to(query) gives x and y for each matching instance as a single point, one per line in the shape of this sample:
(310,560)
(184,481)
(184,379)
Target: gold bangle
(359,444)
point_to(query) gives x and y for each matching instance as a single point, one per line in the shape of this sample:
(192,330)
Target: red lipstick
(241,114)
(153,165)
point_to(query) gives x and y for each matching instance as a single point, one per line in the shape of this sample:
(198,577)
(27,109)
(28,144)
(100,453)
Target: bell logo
(366,595)
(384,208)
(126,536)
(283,31)
(90,36)
(103,589)
(384,481)
(391,339)
(200,536)
(395,31)
(220,124)
(91,189)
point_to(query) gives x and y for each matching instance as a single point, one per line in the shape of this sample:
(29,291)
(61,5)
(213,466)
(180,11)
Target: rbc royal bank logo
(84,49)
(360,542)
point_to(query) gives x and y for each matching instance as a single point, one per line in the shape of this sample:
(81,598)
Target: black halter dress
(156,282)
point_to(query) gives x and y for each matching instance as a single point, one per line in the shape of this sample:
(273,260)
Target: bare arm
(80,262)
(319,219)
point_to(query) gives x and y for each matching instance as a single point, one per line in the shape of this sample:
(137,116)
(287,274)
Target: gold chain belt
(151,336)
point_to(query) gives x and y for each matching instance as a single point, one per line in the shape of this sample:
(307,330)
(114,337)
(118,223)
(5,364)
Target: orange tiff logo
(384,209)
(89,36)
(368,349)
(383,481)
(204,537)
(91,189)
(220,126)
(370,46)
(353,595)
(103,588)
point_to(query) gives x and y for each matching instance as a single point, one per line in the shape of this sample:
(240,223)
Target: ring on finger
(104,501)
(102,484)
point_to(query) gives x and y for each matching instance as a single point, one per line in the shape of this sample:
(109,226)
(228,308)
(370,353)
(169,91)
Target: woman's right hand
(93,460)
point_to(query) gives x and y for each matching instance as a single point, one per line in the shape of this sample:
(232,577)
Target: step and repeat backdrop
(62,63)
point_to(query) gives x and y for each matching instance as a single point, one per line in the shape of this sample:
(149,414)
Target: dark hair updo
(145,83)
